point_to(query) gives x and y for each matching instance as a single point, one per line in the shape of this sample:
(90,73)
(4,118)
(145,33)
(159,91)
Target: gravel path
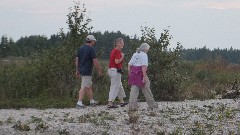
(188,117)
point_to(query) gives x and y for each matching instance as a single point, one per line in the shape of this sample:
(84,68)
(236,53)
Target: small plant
(222,108)
(178,131)
(21,126)
(97,119)
(210,128)
(197,129)
(172,119)
(66,115)
(69,120)
(9,120)
(105,133)
(161,133)
(41,126)
(36,119)
(133,116)
(229,113)
(63,132)
(152,114)
(82,119)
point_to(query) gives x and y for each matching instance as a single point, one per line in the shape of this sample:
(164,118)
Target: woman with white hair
(138,80)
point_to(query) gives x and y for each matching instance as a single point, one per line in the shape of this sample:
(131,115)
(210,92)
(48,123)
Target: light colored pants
(86,82)
(147,94)
(116,88)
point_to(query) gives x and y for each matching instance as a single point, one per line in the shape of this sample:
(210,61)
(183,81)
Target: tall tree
(78,23)
(163,65)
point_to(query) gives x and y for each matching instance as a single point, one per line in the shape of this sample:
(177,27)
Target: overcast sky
(193,23)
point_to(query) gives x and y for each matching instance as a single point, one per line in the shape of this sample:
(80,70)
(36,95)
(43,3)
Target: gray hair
(143,47)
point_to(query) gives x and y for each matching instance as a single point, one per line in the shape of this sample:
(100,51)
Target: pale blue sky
(193,23)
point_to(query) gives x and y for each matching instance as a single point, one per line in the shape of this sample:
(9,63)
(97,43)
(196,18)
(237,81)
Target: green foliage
(230,55)
(163,65)
(78,24)
(50,74)
(45,77)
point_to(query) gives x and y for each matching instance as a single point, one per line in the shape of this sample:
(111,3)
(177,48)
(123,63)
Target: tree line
(46,78)
(35,44)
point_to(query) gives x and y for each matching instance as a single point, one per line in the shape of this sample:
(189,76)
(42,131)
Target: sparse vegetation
(63,132)
(37,72)
(21,126)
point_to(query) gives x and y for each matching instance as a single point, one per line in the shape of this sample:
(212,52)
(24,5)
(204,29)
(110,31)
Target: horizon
(194,24)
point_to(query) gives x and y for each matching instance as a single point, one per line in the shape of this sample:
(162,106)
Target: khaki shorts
(86,82)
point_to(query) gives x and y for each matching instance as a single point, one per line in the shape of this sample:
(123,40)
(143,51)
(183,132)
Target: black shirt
(86,54)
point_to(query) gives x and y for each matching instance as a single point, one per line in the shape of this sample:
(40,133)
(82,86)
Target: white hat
(91,38)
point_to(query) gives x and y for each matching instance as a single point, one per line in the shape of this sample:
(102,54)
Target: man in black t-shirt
(85,60)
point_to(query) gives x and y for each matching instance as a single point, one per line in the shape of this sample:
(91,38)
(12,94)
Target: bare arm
(77,64)
(97,66)
(129,66)
(117,61)
(144,70)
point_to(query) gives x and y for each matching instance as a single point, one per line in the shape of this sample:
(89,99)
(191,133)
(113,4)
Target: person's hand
(123,54)
(77,73)
(144,79)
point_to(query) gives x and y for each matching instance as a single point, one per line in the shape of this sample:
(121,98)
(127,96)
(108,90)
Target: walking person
(138,79)
(85,60)
(115,73)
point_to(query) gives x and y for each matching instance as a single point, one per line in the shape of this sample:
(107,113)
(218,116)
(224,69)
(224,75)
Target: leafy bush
(163,65)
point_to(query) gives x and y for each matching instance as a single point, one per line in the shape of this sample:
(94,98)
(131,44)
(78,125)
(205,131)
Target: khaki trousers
(147,94)
(116,88)
(86,82)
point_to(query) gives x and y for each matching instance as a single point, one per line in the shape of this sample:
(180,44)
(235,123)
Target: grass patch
(38,103)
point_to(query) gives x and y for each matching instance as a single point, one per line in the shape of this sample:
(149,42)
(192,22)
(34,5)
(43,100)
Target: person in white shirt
(138,80)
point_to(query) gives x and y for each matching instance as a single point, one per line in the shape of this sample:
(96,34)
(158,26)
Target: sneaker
(94,104)
(80,106)
(123,104)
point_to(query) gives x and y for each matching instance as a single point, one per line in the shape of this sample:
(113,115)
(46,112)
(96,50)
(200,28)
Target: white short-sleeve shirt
(139,59)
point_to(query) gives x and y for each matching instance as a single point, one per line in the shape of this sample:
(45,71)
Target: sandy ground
(188,117)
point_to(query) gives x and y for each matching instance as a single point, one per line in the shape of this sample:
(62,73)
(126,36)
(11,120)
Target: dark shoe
(94,104)
(80,106)
(112,106)
(123,104)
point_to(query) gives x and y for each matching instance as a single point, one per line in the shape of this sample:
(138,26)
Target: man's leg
(81,94)
(89,93)
(80,98)
(89,90)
